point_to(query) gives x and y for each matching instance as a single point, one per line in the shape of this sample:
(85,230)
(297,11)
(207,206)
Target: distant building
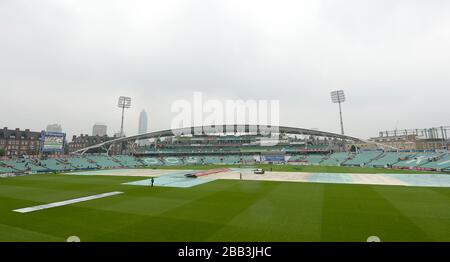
(143,122)
(99,130)
(83,141)
(411,142)
(361,146)
(431,144)
(403,142)
(15,143)
(143,125)
(118,134)
(54,128)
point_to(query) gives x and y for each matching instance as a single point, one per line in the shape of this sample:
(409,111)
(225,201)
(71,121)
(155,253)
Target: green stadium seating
(128,161)
(172,161)
(151,161)
(441,163)
(296,158)
(231,159)
(211,160)
(335,159)
(81,163)
(4,168)
(247,159)
(24,165)
(314,159)
(428,161)
(416,160)
(388,159)
(192,160)
(54,165)
(362,158)
(104,161)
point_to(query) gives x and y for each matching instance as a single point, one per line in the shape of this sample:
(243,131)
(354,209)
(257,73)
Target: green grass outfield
(223,210)
(298,168)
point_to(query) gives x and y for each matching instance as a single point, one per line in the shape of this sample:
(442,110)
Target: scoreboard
(52,142)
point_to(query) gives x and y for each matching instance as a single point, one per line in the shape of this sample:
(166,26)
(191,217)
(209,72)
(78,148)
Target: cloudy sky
(67,61)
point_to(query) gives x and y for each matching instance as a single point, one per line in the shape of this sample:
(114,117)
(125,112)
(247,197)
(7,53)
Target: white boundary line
(67,202)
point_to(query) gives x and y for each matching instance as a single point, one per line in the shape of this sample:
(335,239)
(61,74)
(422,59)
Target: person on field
(153,181)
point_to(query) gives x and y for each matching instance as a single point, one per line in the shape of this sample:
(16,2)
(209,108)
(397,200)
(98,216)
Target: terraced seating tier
(24,165)
(81,163)
(231,160)
(248,159)
(128,161)
(314,159)
(416,160)
(211,160)
(362,158)
(151,161)
(5,169)
(441,163)
(388,158)
(432,161)
(335,159)
(192,160)
(172,161)
(104,161)
(55,165)
(295,158)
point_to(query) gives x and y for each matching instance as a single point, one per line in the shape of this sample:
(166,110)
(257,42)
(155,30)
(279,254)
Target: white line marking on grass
(67,202)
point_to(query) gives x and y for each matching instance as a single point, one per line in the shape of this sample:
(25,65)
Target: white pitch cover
(66,202)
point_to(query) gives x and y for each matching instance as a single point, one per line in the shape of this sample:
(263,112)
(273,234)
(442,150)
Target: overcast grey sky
(67,61)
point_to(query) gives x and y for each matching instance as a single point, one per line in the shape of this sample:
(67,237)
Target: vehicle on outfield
(259,171)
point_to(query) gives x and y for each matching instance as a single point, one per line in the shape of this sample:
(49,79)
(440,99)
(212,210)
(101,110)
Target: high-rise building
(54,128)
(143,122)
(99,129)
(143,125)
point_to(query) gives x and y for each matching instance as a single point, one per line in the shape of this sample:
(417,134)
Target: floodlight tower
(338,97)
(124,102)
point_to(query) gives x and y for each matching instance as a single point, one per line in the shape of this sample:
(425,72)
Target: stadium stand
(416,160)
(388,159)
(441,162)
(151,161)
(231,159)
(172,161)
(36,165)
(318,147)
(314,159)
(296,158)
(335,159)
(211,160)
(24,165)
(54,165)
(105,161)
(247,159)
(362,158)
(192,160)
(128,161)
(81,163)
(407,160)
(4,168)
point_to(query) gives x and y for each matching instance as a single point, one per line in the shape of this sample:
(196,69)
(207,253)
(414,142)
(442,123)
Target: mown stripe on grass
(355,212)
(19,234)
(288,212)
(425,207)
